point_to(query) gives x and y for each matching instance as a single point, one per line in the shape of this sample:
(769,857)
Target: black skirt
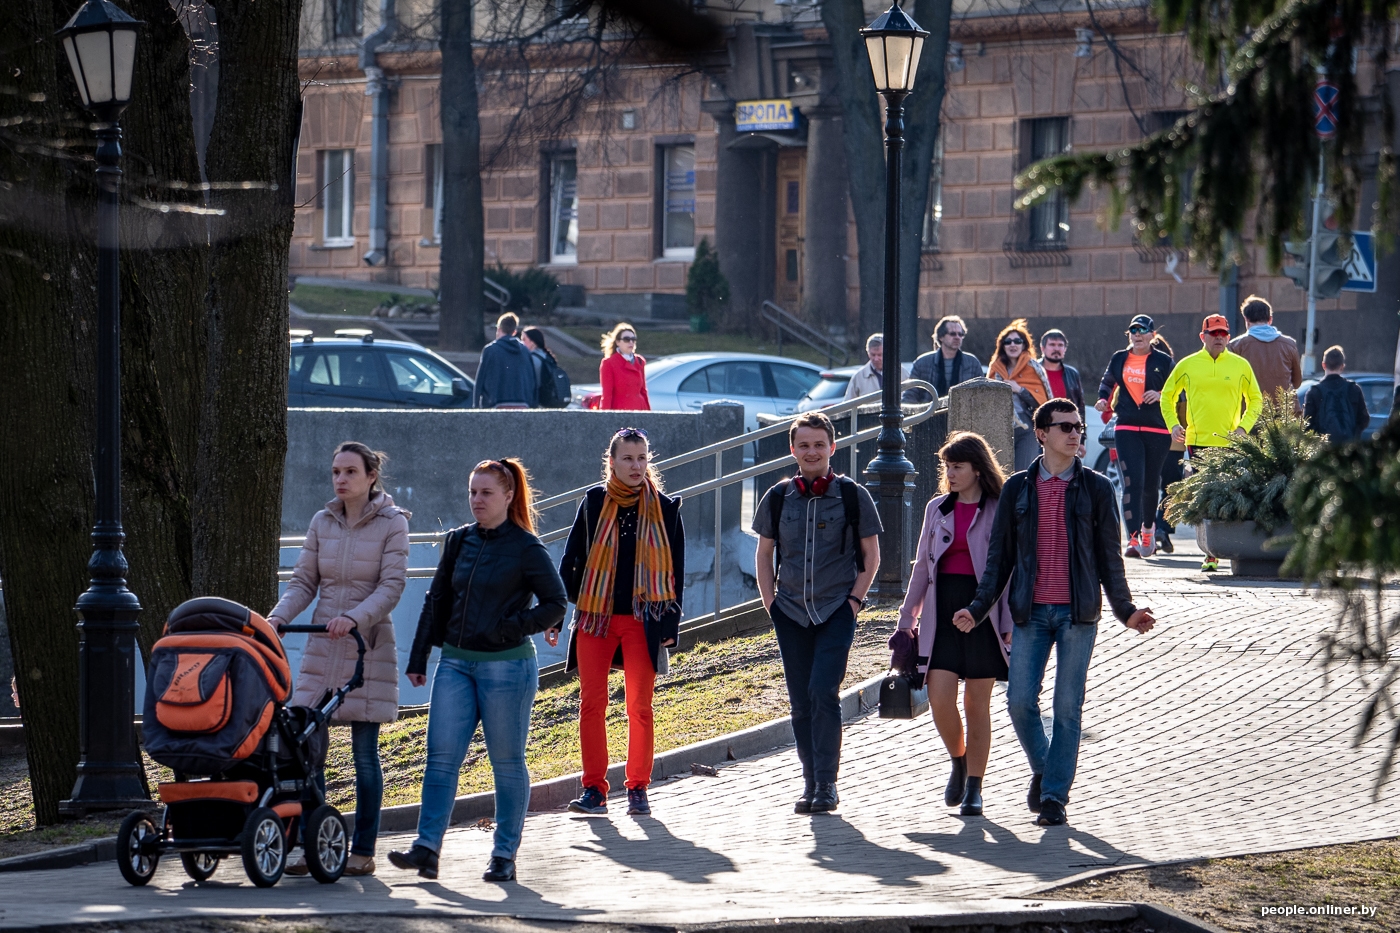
(971,655)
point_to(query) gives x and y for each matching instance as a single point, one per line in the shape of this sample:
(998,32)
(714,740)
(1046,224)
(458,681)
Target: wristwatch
(862,602)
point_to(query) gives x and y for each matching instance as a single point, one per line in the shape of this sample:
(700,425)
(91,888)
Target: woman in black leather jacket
(478,611)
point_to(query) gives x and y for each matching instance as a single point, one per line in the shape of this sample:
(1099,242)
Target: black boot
(972,797)
(419,858)
(1033,795)
(499,869)
(804,803)
(957,782)
(825,799)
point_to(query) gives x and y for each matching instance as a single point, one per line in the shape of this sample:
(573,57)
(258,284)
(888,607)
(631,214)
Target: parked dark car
(1379,390)
(354,370)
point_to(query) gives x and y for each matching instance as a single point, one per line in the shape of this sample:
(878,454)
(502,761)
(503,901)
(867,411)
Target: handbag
(900,698)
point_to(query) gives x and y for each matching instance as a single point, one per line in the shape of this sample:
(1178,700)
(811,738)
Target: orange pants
(595,657)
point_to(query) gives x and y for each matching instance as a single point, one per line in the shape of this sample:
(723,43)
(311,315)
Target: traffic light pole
(1310,342)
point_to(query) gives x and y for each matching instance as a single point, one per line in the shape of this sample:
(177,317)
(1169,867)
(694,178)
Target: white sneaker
(1148,545)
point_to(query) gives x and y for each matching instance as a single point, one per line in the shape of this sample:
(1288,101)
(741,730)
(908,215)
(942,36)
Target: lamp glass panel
(123,61)
(875,46)
(914,61)
(95,52)
(898,51)
(77,67)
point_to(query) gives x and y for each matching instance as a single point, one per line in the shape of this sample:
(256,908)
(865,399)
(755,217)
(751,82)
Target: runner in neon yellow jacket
(1218,384)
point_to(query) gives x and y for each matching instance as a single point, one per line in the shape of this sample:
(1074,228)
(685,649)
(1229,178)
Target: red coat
(624,383)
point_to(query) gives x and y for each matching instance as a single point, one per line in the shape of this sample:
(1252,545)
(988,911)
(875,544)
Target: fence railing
(722,480)
(495,291)
(800,330)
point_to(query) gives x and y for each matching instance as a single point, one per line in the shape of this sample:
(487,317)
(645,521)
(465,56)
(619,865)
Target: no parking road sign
(1325,109)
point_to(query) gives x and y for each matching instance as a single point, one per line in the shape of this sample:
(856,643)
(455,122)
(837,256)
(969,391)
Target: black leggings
(1171,473)
(1140,456)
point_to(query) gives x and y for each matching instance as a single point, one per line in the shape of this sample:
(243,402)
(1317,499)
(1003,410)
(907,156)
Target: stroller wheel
(136,853)
(264,847)
(199,865)
(326,846)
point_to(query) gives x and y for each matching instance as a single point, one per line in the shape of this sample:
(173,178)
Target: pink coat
(937,534)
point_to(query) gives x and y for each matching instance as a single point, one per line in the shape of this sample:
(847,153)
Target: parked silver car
(684,382)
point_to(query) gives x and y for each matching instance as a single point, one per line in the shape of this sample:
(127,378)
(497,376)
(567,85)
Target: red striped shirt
(1052,544)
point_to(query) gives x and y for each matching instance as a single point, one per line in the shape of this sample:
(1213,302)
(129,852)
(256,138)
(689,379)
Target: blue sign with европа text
(755,115)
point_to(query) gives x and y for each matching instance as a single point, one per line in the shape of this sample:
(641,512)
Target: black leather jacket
(508,569)
(1095,561)
(1074,386)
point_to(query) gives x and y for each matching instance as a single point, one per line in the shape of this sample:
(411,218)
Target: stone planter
(1244,545)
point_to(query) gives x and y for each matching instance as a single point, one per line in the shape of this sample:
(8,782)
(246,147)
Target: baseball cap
(1215,322)
(1142,320)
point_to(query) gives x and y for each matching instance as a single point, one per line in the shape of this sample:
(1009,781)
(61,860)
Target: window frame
(663,200)
(336,10)
(549,206)
(433,192)
(929,236)
(346,178)
(1051,216)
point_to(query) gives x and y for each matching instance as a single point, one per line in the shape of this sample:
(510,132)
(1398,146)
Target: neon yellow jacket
(1214,391)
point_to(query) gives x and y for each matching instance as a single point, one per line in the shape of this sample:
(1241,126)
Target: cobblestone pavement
(1214,735)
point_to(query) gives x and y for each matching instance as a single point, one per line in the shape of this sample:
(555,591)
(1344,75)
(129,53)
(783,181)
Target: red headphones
(818,486)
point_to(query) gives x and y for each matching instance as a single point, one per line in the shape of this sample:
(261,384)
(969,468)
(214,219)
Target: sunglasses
(627,338)
(1010,340)
(1138,330)
(1069,427)
(626,433)
(1218,333)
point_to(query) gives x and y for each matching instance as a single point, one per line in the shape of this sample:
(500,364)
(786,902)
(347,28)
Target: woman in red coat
(623,371)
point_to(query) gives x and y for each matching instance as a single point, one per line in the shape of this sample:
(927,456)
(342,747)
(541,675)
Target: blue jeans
(369,787)
(499,695)
(1054,759)
(814,664)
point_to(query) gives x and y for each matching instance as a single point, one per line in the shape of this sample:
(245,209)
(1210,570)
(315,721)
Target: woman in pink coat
(354,565)
(952,555)
(623,371)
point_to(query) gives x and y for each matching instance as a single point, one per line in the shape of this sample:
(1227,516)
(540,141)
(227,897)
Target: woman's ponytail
(516,478)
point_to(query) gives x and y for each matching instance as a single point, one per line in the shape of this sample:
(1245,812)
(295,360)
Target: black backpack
(555,389)
(1335,416)
(850,501)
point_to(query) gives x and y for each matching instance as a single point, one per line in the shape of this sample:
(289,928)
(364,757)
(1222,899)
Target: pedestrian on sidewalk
(1173,469)
(946,366)
(823,528)
(354,565)
(952,552)
(1014,362)
(554,389)
(870,377)
(623,371)
(1336,406)
(479,612)
(1222,398)
(1063,378)
(1274,357)
(1055,539)
(624,570)
(505,377)
(1132,387)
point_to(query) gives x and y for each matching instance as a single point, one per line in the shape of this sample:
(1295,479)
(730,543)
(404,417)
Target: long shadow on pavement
(519,901)
(841,847)
(660,851)
(1060,852)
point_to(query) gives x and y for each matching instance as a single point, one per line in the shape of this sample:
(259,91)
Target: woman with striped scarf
(624,569)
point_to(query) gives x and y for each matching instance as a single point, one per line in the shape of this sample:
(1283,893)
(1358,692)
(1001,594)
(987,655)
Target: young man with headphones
(823,529)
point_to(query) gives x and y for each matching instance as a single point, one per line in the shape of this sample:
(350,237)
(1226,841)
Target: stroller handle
(359,678)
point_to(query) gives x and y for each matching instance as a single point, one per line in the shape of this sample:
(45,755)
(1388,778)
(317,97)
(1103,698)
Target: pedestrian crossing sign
(1361,264)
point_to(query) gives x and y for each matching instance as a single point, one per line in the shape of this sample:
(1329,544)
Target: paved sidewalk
(1213,736)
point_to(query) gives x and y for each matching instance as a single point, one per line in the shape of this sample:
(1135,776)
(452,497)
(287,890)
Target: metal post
(1310,339)
(890,476)
(855,429)
(109,771)
(719,528)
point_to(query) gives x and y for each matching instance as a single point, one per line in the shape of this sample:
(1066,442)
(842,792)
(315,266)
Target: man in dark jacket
(1064,378)
(946,366)
(505,377)
(1336,406)
(1056,539)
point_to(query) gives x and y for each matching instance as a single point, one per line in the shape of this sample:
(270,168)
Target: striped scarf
(653,585)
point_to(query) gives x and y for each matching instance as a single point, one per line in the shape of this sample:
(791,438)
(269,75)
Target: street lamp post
(894,43)
(100,41)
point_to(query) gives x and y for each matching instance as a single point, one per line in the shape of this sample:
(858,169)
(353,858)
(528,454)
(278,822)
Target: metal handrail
(721,480)
(783,320)
(494,291)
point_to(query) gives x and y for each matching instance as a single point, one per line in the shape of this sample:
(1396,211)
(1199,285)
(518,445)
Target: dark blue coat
(506,375)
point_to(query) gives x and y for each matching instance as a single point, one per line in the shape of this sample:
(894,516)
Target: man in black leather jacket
(1055,538)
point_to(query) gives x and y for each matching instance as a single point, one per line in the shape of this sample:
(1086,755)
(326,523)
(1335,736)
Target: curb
(99,850)
(1167,920)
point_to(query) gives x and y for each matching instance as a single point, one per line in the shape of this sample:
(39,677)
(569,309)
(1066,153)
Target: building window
(563,208)
(432,190)
(678,202)
(347,18)
(1047,224)
(339,197)
(933,213)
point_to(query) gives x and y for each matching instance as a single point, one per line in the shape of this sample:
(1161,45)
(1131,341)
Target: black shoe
(1164,543)
(825,799)
(972,797)
(1052,813)
(637,804)
(499,869)
(592,801)
(419,858)
(1033,795)
(804,803)
(957,781)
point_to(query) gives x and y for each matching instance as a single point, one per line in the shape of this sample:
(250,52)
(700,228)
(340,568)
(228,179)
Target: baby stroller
(244,761)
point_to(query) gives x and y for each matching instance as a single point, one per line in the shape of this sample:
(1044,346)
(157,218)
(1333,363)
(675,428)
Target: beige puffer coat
(359,571)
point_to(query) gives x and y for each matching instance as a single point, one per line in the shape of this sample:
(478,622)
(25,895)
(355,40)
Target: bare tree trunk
(243,434)
(463,254)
